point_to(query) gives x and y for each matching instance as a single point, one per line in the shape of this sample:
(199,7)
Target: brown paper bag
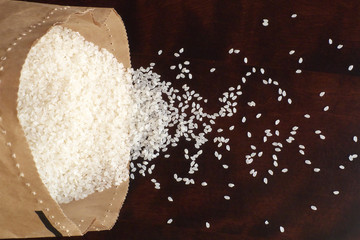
(26,208)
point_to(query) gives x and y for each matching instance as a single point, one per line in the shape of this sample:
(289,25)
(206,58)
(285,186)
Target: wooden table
(207,30)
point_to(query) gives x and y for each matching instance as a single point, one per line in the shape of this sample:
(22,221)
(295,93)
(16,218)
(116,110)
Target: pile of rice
(85,116)
(75,105)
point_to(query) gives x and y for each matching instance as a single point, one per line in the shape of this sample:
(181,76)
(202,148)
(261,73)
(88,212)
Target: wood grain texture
(207,30)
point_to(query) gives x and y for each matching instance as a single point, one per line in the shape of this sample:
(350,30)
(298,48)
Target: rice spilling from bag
(76,108)
(85,116)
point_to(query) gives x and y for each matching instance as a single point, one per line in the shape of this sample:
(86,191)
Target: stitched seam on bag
(116,187)
(113,49)
(109,33)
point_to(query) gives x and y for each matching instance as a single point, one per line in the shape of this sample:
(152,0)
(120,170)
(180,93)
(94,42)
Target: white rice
(265,180)
(314,208)
(74,105)
(207,224)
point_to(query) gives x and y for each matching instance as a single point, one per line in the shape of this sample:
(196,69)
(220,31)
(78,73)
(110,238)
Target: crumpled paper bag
(26,208)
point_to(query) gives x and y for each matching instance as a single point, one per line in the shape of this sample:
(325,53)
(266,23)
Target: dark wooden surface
(207,30)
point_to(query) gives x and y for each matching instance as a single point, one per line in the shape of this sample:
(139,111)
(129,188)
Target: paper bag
(26,208)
